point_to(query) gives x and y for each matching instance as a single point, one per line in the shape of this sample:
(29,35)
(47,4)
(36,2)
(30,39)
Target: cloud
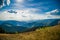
(22,15)
(8,2)
(26,15)
(19,1)
(1,3)
(53,12)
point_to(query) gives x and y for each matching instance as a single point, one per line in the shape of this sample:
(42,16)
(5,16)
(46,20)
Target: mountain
(1,22)
(13,26)
(47,33)
(46,22)
(21,26)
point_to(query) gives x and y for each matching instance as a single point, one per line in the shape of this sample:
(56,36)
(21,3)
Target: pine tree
(2,30)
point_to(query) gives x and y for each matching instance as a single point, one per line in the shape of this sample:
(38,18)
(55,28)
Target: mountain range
(21,26)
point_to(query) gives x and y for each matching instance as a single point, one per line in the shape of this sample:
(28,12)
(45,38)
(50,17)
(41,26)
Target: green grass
(47,33)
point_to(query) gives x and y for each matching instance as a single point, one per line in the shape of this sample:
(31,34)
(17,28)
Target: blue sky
(39,8)
(43,5)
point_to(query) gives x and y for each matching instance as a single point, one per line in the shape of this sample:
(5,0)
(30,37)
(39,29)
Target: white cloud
(25,15)
(49,14)
(8,2)
(19,1)
(22,15)
(52,12)
(2,5)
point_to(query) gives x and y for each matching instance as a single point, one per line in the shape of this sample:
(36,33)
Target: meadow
(46,33)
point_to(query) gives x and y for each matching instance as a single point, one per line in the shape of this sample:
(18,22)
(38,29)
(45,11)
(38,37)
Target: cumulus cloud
(22,15)
(25,15)
(52,12)
(19,1)
(8,2)
(2,3)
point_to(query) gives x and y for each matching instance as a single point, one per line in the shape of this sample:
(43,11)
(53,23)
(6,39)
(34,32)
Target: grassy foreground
(47,33)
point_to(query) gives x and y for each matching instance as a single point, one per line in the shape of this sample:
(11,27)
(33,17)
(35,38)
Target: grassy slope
(48,33)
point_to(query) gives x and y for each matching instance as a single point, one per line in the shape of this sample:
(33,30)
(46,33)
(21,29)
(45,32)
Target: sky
(26,10)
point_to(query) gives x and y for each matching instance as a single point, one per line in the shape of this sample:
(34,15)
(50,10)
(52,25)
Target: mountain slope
(47,33)
(13,26)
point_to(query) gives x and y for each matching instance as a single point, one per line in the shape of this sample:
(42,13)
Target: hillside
(47,33)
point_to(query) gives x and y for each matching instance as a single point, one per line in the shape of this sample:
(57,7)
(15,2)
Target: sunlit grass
(47,33)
